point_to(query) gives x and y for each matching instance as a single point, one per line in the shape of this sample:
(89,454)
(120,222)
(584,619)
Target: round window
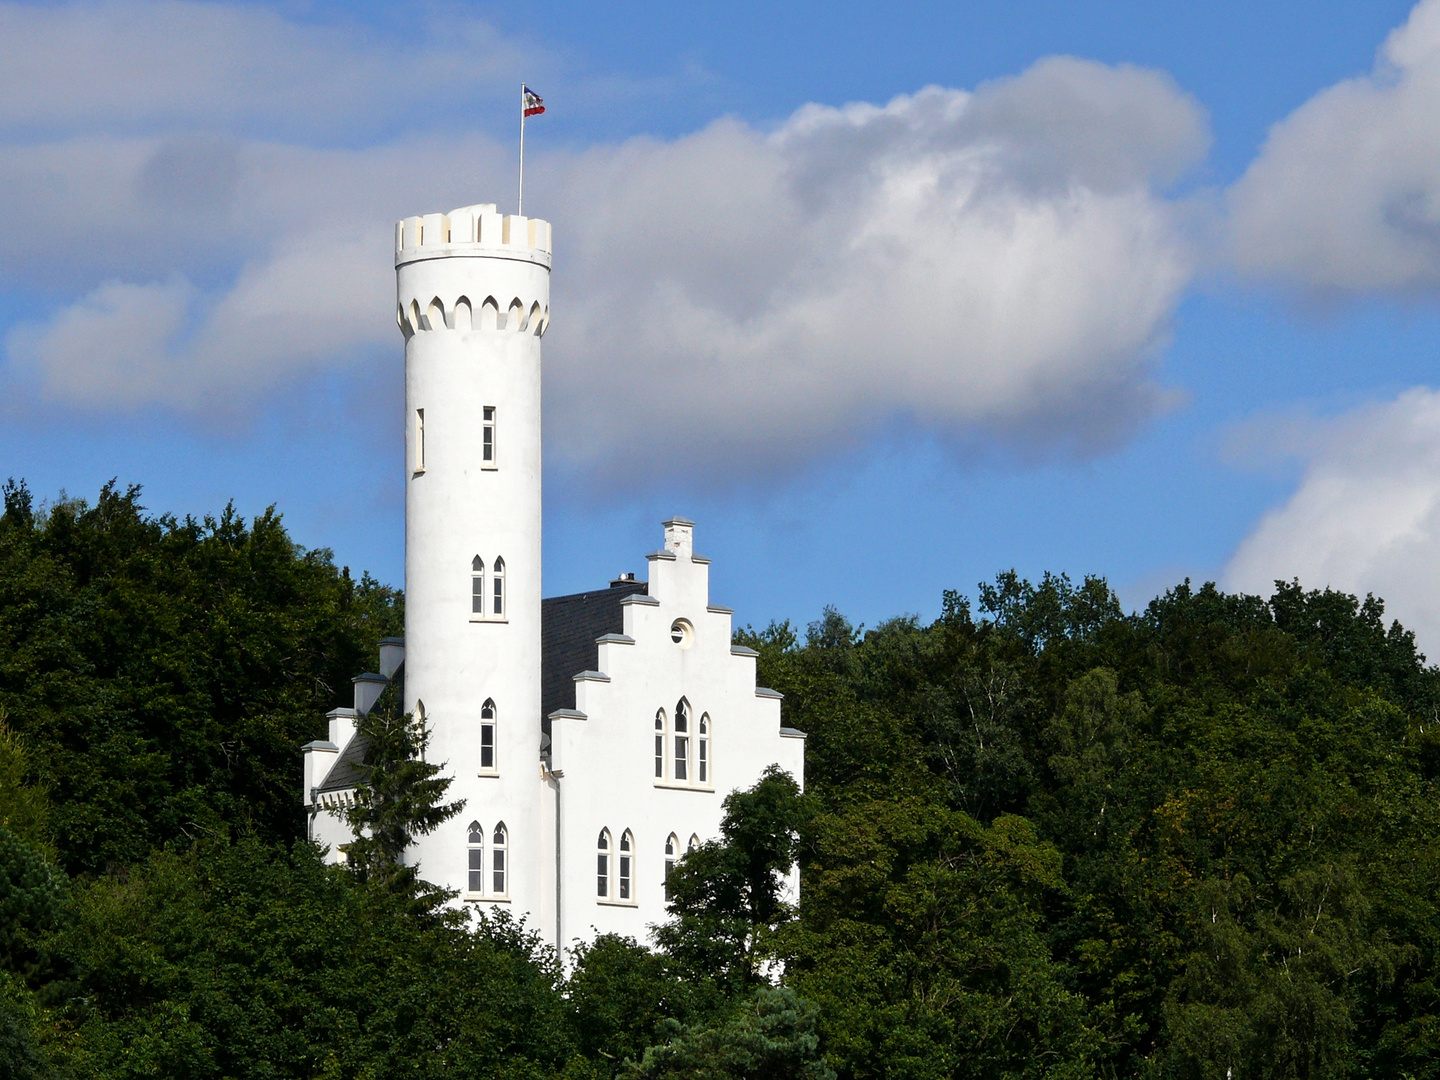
(682,633)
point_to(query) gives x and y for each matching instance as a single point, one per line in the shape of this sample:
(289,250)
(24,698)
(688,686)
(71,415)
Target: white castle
(593,737)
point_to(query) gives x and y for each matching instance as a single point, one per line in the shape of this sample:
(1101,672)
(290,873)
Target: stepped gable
(569,626)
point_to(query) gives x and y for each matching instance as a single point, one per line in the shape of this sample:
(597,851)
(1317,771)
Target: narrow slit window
(627,855)
(487,438)
(419,440)
(476,845)
(487,735)
(660,745)
(497,590)
(477,586)
(682,741)
(499,852)
(702,750)
(602,865)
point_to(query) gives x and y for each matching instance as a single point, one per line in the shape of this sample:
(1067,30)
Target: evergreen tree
(398,796)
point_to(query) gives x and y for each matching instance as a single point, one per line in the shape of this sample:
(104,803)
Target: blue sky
(1265,413)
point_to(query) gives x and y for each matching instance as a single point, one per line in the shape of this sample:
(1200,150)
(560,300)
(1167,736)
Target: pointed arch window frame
(684,748)
(500,861)
(475,850)
(499,593)
(625,869)
(489,741)
(682,744)
(489,590)
(604,853)
(672,858)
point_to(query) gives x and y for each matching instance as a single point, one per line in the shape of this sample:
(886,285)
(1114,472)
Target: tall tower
(473,291)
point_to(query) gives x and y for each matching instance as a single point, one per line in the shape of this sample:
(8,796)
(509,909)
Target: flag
(534,104)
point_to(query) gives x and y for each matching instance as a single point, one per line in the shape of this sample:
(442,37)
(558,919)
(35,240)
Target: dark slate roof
(569,626)
(345,773)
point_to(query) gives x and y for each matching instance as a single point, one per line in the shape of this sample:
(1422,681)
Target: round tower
(473,291)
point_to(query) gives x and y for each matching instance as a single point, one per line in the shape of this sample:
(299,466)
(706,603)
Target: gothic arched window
(627,864)
(682,740)
(497,590)
(702,750)
(660,744)
(672,852)
(487,735)
(477,858)
(602,865)
(499,850)
(477,586)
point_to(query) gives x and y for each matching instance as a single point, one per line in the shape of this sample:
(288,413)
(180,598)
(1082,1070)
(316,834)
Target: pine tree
(398,797)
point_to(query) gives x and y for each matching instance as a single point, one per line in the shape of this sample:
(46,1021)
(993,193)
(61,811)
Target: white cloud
(1366,515)
(996,266)
(144,65)
(1345,195)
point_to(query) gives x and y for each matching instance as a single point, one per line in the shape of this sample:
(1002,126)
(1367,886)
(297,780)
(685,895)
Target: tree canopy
(1039,836)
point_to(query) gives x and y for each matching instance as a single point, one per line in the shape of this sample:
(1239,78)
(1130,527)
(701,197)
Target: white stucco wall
(605,761)
(473,297)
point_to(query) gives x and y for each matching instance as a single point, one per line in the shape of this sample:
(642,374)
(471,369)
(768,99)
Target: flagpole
(520,202)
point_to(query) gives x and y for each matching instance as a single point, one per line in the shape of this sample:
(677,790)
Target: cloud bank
(1366,515)
(996,266)
(1344,198)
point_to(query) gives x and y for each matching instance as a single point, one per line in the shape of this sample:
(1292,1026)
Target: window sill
(489,468)
(481,898)
(483,618)
(618,903)
(682,785)
(489,773)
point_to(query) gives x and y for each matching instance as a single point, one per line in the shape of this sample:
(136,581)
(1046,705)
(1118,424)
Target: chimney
(680,537)
(392,655)
(367,691)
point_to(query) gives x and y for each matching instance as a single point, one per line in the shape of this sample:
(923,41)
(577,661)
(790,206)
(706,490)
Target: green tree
(727,896)
(771,1036)
(246,960)
(163,672)
(398,796)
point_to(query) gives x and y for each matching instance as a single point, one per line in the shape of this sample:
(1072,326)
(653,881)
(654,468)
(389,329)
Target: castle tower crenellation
(472,302)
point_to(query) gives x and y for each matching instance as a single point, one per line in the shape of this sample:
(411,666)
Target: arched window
(487,735)
(497,590)
(694,843)
(477,858)
(602,865)
(660,744)
(702,750)
(627,856)
(499,850)
(477,586)
(672,853)
(682,740)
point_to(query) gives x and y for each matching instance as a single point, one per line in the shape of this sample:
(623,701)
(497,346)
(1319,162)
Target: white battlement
(472,231)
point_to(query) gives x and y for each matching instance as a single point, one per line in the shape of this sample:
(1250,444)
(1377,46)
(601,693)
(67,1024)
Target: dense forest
(1039,837)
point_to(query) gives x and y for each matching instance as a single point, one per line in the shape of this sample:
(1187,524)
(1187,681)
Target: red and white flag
(534,103)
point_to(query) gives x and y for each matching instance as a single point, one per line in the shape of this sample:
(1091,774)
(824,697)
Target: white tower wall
(473,291)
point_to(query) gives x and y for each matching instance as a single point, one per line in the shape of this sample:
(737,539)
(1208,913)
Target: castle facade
(592,737)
